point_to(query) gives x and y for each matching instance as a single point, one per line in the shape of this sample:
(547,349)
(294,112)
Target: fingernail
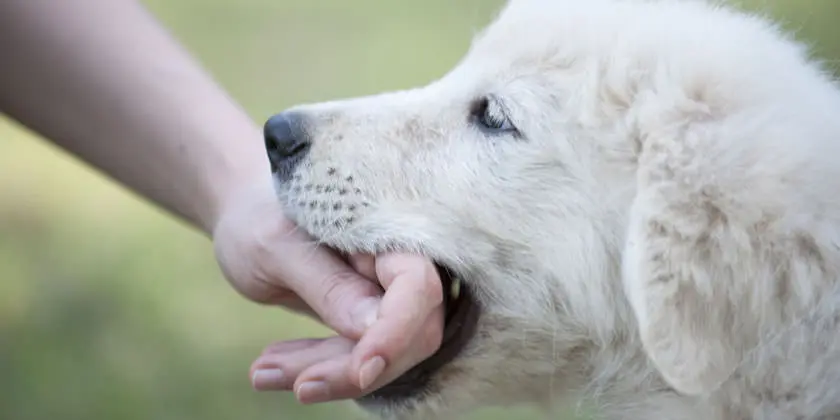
(366,313)
(313,392)
(269,379)
(370,371)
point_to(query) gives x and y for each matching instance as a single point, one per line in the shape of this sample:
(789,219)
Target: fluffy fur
(661,235)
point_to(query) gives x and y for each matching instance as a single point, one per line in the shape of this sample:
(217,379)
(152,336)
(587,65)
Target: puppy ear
(685,269)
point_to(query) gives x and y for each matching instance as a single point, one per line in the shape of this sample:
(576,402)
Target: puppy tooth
(455,289)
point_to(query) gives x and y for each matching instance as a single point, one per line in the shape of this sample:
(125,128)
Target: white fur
(663,239)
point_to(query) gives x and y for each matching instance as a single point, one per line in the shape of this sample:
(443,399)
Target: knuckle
(433,290)
(261,245)
(390,267)
(336,290)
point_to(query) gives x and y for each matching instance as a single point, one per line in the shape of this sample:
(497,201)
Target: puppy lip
(462,314)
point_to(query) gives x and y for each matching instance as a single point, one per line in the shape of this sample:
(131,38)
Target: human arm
(104,81)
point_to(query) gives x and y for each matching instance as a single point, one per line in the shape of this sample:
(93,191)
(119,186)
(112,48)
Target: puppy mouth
(461,320)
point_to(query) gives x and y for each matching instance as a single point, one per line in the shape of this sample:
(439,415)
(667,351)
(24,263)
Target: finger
(331,379)
(287,346)
(270,294)
(295,304)
(326,381)
(413,294)
(364,264)
(343,299)
(426,343)
(278,370)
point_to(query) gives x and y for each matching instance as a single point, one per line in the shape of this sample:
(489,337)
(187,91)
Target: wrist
(238,181)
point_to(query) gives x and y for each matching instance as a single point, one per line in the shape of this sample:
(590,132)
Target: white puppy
(640,202)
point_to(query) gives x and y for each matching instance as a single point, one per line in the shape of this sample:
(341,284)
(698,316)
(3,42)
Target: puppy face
(485,171)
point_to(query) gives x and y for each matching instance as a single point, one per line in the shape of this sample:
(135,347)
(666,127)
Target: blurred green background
(110,309)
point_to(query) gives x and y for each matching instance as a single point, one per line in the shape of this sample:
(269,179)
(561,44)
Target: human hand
(381,333)
(334,368)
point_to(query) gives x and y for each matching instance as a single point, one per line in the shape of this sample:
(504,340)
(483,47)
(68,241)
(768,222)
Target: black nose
(286,143)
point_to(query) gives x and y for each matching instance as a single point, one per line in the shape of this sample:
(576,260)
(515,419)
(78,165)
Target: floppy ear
(685,268)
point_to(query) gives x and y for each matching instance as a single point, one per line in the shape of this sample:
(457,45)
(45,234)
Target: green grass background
(109,309)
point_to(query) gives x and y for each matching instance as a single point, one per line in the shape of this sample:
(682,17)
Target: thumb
(266,257)
(344,300)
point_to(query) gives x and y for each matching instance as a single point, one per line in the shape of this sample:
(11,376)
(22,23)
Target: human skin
(104,81)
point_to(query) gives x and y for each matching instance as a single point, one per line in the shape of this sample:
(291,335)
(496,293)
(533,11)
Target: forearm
(103,80)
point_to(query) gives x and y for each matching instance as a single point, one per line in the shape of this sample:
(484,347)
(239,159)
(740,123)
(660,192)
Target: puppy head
(517,172)
(482,171)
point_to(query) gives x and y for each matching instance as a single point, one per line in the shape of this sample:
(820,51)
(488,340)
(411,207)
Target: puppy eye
(489,114)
